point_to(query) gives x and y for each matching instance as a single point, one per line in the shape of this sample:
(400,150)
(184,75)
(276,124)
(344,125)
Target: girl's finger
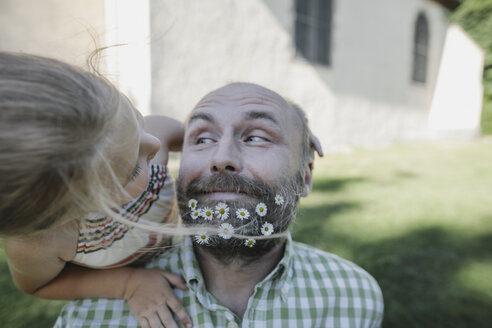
(154,321)
(179,310)
(166,317)
(175,280)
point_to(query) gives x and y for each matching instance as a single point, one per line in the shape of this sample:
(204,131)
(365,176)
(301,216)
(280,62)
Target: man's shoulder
(310,255)
(344,289)
(169,257)
(332,269)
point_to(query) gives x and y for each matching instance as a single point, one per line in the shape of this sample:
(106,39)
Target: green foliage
(475,16)
(487,117)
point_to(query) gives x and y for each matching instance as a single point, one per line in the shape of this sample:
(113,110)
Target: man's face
(241,148)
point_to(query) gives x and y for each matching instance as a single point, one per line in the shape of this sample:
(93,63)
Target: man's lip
(224,195)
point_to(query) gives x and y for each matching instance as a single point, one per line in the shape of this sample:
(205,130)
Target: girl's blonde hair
(57,127)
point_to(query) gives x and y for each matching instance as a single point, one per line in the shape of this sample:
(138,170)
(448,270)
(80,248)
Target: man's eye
(204,141)
(255,139)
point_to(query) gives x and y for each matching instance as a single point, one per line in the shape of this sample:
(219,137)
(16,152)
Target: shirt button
(229,316)
(232,324)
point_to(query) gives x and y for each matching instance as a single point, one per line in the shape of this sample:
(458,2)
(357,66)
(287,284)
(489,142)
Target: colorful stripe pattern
(105,242)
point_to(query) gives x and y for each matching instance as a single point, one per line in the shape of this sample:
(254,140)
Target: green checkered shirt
(308,288)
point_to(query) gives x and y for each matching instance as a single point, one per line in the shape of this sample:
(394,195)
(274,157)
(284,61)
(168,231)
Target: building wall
(55,28)
(366,97)
(457,103)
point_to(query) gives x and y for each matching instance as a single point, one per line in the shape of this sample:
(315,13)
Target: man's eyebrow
(258,115)
(200,116)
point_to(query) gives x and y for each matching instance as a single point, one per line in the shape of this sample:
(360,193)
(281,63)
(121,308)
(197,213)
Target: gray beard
(231,250)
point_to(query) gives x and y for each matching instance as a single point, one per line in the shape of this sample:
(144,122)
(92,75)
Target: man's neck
(232,284)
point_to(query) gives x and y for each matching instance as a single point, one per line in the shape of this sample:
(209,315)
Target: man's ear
(308,180)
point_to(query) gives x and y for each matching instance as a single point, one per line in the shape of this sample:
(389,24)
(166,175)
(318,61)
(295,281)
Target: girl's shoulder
(60,242)
(36,260)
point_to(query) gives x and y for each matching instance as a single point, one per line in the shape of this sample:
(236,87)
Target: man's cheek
(189,170)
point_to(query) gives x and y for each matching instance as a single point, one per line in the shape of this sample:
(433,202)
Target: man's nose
(226,158)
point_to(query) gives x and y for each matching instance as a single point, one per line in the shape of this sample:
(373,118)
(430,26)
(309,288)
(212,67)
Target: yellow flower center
(221,211)
(203,237)
(266,228)
(261,209)
(242,213)
(208,213)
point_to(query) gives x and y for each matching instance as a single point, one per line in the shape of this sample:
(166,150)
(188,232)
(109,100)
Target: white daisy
(267,229)
(222,211)
(242,213)
(249,242)
(202,238)
(279,200)
(261,209)
(192,204)
(195,214)
(226,230)
(207,213)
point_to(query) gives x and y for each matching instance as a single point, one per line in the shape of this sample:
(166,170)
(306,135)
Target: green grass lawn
(417,217)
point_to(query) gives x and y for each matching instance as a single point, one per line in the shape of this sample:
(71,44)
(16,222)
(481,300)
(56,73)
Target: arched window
(420,49)
(313,30)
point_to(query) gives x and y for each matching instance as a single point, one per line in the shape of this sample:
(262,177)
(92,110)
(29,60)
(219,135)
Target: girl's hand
(169,131)
(152,299)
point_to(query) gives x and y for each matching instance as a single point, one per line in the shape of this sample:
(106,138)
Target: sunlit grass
(475,276)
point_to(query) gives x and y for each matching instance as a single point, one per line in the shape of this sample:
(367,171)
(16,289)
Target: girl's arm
(38,266)
(147,291)
(169,131)
(35,260)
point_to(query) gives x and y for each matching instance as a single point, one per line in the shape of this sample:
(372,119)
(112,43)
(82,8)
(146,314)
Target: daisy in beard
(192,204)
(279,200)
(242,214)
(261,209)
(222,211)
(207,213)
(226,230)
(267,229)
(202,238)
(195,214)
(249,242)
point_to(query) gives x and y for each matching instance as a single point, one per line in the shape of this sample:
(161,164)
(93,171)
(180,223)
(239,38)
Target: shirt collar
(282,273)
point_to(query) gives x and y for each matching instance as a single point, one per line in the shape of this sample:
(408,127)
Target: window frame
(318,26)
(420,51)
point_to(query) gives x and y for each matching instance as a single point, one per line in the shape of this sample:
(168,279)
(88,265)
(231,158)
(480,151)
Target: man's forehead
(250,99)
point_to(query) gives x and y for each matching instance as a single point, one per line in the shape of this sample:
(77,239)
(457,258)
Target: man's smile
(224,195)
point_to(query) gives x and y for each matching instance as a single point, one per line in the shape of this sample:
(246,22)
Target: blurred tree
(475,16)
